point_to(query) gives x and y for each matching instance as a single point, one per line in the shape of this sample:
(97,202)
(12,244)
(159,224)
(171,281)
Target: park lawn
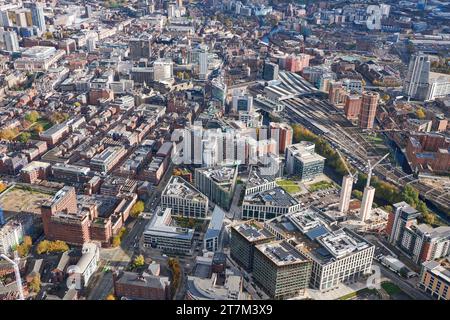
(289,186)
(321,185)
(390,288)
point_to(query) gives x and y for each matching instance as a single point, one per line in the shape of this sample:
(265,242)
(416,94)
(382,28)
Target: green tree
(24,137)
(357,194)
(116,241)
(32,116)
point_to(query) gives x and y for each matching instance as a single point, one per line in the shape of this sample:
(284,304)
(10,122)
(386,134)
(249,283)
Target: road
(116,258)
(402,283)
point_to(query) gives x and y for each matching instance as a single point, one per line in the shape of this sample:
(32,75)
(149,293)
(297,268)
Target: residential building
(416,81)
(435,279)
(420,242)
(369,104)
(217,183)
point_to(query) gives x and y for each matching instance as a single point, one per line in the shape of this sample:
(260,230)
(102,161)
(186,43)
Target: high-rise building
(203,64)
(5,21)
(420,242)
(242,102)
(162,70)
(37,15)
(352,107)
(369,105)
(270,71)
(11,41)
(366,203)
(296,63)
(140,48)
(416,82)
(346,193)
(219,90)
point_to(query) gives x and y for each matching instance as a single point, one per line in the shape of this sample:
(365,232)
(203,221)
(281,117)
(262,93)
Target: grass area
(374,139)
(288,185)
(321,185)
(390,288)
(359,292)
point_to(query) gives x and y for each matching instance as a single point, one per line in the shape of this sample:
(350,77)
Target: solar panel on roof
(313,234)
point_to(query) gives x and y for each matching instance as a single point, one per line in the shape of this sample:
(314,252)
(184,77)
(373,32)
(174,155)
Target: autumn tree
(139,261)
(35,283)
(110,297)
(420,113)
(38,128)
(137,208)
(32,116)
(3,186)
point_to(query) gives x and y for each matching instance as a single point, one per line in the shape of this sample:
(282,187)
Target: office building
(268,204)
(435,279)
(212,235)
(281,270)
(257,181)
(184,199)
(416,82)
(219,90)
(420,242)
(107,159)
(140,48)
(163,233)
(217,183)
(37,15)
(270,71)
(302,161)
(244,238)
(338,255)
(11,41)
(369,103)
(241,102)
(163,70)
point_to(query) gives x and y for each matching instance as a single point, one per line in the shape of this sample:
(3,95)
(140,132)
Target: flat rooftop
(275,197)
(180,188)
(162,225)
(220,175)
(281,253)
(253,231)
(255,178)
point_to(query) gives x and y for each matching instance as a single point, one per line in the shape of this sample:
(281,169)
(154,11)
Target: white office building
(184,199)
(163,233)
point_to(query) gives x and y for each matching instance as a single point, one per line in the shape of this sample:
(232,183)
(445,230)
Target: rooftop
(281,253)
(178,187)
(253,231)
(275,197)
(162,225)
